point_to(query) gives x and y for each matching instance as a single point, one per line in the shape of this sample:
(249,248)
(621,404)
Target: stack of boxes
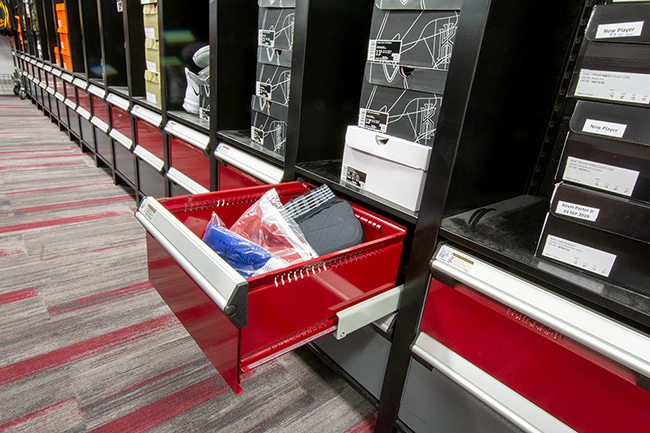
(62,54)
(153,89)
(599,212)
(409,51)
(270,103)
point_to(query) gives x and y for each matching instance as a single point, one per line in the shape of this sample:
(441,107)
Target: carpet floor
(88,345)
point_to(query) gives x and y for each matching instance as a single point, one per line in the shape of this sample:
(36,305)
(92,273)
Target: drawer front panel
(189,160)
(578,386)
(149,137)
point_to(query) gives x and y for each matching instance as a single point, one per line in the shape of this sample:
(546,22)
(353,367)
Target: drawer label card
(601,176)
(373,120)
(383,51)
(619,30)
(574,210)
(578,255)
(609,129)
(614,86)
(453,258)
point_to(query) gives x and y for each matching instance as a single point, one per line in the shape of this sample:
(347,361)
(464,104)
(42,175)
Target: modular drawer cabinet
(147,130)
(100,120)
(59,95)
(84,109)
(240,322)
(71,104)
(122,137)
(189,160)
(540,360)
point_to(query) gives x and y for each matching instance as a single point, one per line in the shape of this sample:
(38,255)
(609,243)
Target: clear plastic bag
(246,257)
(267,224)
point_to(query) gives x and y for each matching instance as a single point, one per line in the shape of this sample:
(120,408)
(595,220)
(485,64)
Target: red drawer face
(58,85)
(232,178)
(100,109)
(121,121)
(70,91)
(577,386)
(286,307)
(83,100)
(149,137)
(190,160)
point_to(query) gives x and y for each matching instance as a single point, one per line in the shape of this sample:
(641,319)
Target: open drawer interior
(242,322)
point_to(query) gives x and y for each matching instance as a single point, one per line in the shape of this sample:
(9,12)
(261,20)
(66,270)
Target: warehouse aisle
(86,343)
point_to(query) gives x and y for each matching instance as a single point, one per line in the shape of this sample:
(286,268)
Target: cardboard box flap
(405,77)
(622,122)
(387,147)
(624,23)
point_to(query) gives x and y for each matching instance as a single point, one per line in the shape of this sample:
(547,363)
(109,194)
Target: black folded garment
(327,222)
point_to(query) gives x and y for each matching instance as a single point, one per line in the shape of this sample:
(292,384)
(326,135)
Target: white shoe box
(386,166)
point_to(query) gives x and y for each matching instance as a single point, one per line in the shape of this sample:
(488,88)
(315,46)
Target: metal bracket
(368,311)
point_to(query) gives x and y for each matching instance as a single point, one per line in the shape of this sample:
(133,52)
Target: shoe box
(409,50)
(268,132)
(386,166)
(153,86)
(613,258)
(614,60)
(272,91)
(270,103)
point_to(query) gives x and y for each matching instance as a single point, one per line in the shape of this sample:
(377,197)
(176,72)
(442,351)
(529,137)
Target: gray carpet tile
(88,345)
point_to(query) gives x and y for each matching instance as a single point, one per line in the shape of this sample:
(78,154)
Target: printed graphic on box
(402,113)
(413,38)
(275,28)
(269,132)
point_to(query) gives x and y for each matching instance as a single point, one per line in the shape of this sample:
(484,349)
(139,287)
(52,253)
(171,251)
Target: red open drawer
(578,366)
(242,322)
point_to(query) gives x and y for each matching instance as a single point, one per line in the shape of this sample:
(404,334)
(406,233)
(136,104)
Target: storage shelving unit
(490,177)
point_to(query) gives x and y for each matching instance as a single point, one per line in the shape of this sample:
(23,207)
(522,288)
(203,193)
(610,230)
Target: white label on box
(383,51)
(578,255)
(151,97)
(373,120)
(608,129)
(150,32)
(619,30)
(257,135)
(574,210)
(263,90)
(602,176)
(614,86)
(355,177)
(151,66)
(266,38)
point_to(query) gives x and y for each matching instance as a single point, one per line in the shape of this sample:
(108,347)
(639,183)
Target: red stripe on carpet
(50,156)
(58,189)
(32,151)
(92,300)
(17,295)
(5,253)
(67,205)
(10,425)
(366,425)
(97,250)
(55,358)
(30,167)
(59,221)
(166,408)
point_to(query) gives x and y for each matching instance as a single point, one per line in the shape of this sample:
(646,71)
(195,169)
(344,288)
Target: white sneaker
(201,57)
(192,92)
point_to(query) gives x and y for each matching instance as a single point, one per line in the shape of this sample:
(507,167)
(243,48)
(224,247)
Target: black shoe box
(269,132)
(401,113)
(609,120)
(619,22)
(605,164)
(614,214)
(275,27)
(272,91)
(616,259)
